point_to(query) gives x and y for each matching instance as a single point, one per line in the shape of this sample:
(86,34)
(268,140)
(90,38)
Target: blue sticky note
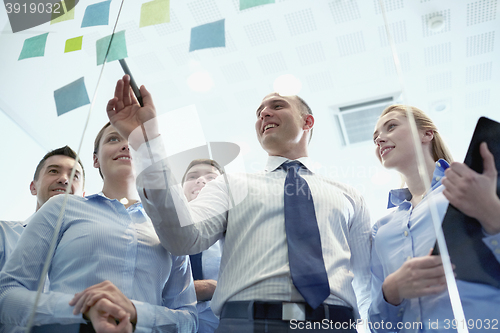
(208,35)
(71,96)
(117,50)
(34,47)
(96,14)
(245,4)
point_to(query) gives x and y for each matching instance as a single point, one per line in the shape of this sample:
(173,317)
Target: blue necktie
(307,267)
(196,266)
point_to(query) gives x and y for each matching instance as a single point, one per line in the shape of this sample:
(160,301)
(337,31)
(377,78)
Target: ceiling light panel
(272,63)
(428,31)
(477,98)
(390,67)
(389,5)
(259,33)
(235,73)
(132,32)
(397,31)
(480,44)
(481,11)
(439,82)
(300,22)
(319,81)
(167,28)
(478,73)
(437,54)
(179,54)
(311,53)
(88,43)
(351,44)
(344,11)
(204,11)
(149,63)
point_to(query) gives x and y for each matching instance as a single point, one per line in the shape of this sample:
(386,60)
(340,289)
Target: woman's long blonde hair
(439,149)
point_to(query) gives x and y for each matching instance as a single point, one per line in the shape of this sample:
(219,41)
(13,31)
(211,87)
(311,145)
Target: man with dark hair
(51,178)
(204,265)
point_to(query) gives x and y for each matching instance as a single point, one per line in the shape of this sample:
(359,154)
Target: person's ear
(33,188)
(428,136)
(309,122)
(96,161)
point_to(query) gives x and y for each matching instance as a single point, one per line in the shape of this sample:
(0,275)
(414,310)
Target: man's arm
(20,276)
(473,193)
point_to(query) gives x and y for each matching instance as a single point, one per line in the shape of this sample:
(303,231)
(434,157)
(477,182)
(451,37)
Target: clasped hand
(109,310)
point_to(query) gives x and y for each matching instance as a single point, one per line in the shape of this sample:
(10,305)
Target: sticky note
(71,96)
(73,44)
(34,47)
(245,4)
(61,13)
(118,49)
(207,36)
(96,14)
(155,12)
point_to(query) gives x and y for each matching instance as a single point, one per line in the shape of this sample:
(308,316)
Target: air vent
(356,121)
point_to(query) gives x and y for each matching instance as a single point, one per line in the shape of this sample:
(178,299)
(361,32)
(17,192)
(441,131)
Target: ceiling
(338,49)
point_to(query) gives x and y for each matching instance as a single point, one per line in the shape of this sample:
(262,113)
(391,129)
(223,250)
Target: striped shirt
(254,264)
(99,240)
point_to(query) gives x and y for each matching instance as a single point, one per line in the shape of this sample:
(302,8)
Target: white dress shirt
(249,211)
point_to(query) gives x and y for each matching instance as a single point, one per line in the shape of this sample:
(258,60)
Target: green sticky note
(60,14)
(155,12)
(245,4)
(34,47)
(118,49)
(71,96)
(207,36)
(73,44)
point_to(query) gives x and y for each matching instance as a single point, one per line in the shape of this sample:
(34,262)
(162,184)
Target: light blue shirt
(99,240)
(210,263)
(10,231)
(406,233)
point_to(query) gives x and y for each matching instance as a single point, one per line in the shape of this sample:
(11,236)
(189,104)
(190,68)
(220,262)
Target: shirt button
(438,178)
(406,233)
(409,257)
(494,243)
(438,164)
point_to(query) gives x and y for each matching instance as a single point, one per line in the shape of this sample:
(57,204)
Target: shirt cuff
(386,311)
(63,312)
(145,317)
(493,243)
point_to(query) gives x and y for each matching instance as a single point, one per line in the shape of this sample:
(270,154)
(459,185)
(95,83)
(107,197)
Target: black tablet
(473,259)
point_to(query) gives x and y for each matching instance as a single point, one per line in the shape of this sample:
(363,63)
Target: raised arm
(125,113)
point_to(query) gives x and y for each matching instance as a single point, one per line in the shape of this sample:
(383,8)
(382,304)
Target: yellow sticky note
(155,12)
(73,44)
(68,15)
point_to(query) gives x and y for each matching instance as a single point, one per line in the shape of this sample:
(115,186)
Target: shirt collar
(102,195)
(400,195)
(274,162)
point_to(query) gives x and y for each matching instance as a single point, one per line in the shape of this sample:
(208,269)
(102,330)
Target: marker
(135,89)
